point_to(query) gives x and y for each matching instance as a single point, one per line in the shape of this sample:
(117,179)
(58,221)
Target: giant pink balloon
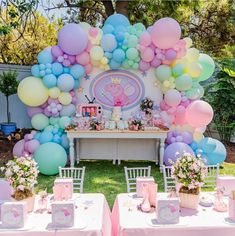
(18,149)
(165,33)
(72,39)
(199,113)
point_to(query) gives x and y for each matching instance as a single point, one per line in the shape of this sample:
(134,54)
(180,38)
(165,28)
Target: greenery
(220,93)
(8,86)
(104,177)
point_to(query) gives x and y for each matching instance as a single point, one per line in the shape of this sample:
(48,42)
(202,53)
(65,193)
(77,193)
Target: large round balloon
(18,149)
(176,150)
(165,33)
(208,144)
(32,91)
(199,114)
(172,97)
(108,42)
(72,39)
(65,82)
(50,156)
(117,20)
(39,121)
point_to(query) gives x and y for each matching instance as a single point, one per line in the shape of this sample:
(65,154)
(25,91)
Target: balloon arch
(50,93)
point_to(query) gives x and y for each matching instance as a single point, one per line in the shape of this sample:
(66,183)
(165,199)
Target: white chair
(211,176)
(169,181)
(132,173)
(77,174)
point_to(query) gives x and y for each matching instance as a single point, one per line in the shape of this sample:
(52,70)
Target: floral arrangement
(96,125)
(71,127)
(22,173)
(190,171)
(135,124)
(146,105)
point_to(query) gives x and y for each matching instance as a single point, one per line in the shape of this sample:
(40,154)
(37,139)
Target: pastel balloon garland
(179,68)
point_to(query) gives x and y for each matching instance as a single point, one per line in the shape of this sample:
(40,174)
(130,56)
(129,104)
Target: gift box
(63,189)
(231,206)
(13,214)
(140,181)
(168,211)
(227,183)
(62,214)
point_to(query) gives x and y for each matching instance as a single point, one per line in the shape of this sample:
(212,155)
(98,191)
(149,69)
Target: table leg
(157,151)
(71,151)
(78,151)
(162,146)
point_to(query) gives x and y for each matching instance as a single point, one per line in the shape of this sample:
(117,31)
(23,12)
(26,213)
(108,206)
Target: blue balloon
(68,110)
(76,84)
(193,145)
(108,42)
(109,55)
(37,136)
(56,139)
(42,67)
(119,55)
(46,136)
(120,36)
(35,70)
(49,128)
(42,73)
(77,71)
(48,71)
(65,141)
(116,20)
(114,64)
(108,29)
(57,68)
(49,81)
(65,82)
(66,70)
(45,57)
(208,144)
(55,130)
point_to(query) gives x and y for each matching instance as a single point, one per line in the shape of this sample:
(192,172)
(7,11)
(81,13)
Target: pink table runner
(128,221)
(91,208)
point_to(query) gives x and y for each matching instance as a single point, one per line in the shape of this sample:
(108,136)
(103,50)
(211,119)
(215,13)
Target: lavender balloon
(19,148)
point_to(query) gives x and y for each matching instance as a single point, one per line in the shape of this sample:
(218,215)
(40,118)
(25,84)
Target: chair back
(211,176)
(77,174)
(132,173)
(169,181)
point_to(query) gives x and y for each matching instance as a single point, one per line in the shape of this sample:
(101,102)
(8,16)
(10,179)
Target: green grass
(104,177)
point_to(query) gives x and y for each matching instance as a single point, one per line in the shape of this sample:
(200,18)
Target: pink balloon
(172,97)
(88,68)
(199,114)
(72,39)
(72,59)
(166,33)
(56,51)
(147,55)
(83,58)
(145,39)
(180,115)
(164,106)
(93,32)
(18,149)
(33,145)
(31,111)
(143,66)
(89,46)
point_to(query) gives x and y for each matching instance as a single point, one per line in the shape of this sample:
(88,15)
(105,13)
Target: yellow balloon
(192,54)
(96,53)
(65,98)
(194,69)
(197,136)
(104,61)
(95,63)
(166,84)
(32,91)
(189,42)
(54,92)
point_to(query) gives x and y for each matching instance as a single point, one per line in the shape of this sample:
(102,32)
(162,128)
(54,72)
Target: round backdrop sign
(117,87)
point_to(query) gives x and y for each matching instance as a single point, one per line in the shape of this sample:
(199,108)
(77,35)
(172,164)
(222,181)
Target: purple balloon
(173,139)
(56,51)
(18,149)
(170,54)
(51,100)
(179,138)
(187,137)
(46,112)
(72,39)
(33,145)
(155,62)
(175,150)
(72,59)
(31,111)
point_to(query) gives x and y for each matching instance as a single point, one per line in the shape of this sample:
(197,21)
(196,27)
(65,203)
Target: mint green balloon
(132,53)
(49,157)
(125,64)
(39,121)
(54,120)
(163,72)
(64,121)
(177,70)
(208,67)
(132,41)
(183,82)
(135,66)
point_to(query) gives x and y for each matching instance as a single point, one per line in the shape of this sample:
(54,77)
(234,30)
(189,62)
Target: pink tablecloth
(128,221)
(92,209)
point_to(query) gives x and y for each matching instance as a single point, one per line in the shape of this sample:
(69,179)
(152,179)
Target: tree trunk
(122,7)
(108,6)
(8,113)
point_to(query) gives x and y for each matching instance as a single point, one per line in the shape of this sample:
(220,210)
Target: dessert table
(117,134)
(128,221)
(92,217)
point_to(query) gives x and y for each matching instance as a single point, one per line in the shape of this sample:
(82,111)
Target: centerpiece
(190,172)
(22,173)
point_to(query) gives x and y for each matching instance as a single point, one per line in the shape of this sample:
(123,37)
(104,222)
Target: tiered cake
(116,113)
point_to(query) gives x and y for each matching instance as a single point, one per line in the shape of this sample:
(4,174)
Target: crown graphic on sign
(116,80)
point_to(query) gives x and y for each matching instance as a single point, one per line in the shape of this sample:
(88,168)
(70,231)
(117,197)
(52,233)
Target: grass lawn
(104,177)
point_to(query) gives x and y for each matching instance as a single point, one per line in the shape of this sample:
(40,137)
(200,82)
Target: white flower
(8,173)
(21,187)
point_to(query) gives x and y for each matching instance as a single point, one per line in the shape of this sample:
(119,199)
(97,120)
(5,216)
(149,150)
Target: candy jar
(42,201)
(219,204)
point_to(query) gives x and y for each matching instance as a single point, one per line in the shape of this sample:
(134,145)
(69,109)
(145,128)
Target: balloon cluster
(50,92)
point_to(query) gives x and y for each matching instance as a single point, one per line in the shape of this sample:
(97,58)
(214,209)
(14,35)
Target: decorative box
(13,214)
(140,181)
(227,182)
(62,214)
(168,211)
(231,206)
(63,189)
